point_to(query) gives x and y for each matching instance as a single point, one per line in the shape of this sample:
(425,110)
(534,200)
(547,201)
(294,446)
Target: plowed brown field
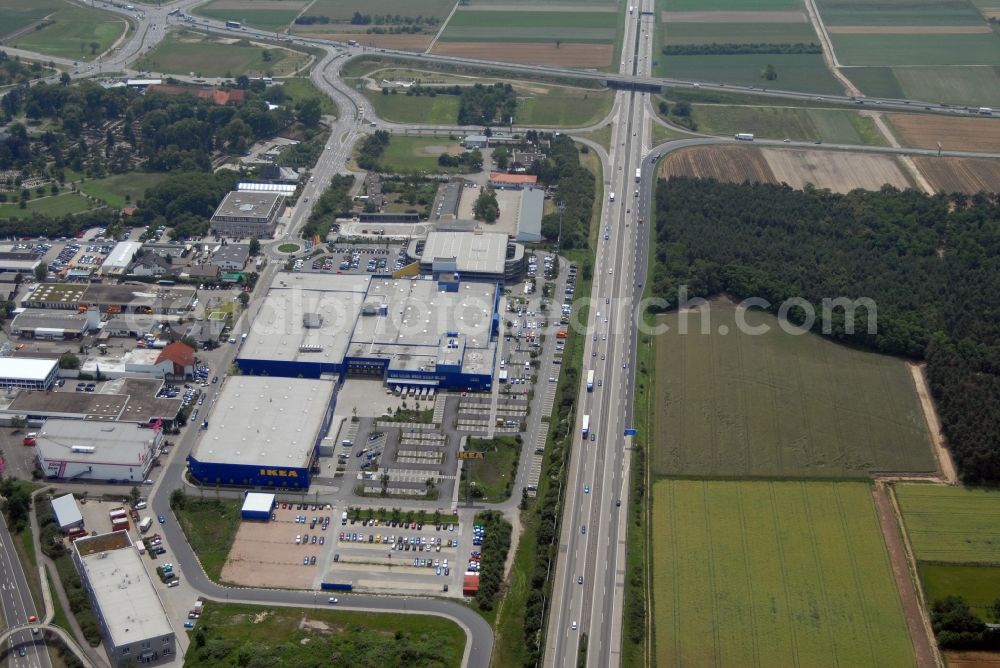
(957,134)
(577,55)
(732,164)
(840,172)
(966,175)
(408,42)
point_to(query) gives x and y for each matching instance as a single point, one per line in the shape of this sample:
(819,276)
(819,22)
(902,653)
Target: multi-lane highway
(588,588)
(17,607)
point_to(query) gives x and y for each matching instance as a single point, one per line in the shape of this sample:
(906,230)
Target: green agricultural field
(778,404)
(72,31)
(979,585)
(417,154)
(509,26)
(976,86)
(886,15)
(113,189)
(345,9)
(269,18)
(560,107)
(875,81)
(17,14)
(280,636)
(951,524)
(739,33)
(831,125)
(800,72)
(60,205)
(914,50)
(183,52)
(726,5)
(772,574)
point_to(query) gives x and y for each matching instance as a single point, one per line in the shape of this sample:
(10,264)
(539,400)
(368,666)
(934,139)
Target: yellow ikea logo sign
(281,473)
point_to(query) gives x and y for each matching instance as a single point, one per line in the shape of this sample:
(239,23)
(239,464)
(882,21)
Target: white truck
(612,198)
(743,136)
(638,175)
(985,111)
(145,524)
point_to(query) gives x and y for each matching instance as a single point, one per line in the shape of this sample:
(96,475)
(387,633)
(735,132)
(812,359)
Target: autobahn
(17,606)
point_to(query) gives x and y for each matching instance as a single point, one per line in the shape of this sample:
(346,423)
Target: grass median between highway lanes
(253,635)
(210,526)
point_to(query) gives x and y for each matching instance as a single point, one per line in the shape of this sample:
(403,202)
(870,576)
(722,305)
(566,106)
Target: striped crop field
(756,573)
(951,524)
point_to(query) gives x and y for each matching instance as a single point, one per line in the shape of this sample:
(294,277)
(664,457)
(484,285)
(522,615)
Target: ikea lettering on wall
(281,473)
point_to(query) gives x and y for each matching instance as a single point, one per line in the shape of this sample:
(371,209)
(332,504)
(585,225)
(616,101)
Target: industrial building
(488,256)
(405,331)
(20,263)
(120,258)
(257,506)
(67,512)
(110,298)
(54,325)
(98,451)
(529,215)
(132,618)
(136,402)
(277,448)
(231,257)
(243,215)
(28,373)
(512,181)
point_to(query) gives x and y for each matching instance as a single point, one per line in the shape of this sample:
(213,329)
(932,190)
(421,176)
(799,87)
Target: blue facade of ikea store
(285,477)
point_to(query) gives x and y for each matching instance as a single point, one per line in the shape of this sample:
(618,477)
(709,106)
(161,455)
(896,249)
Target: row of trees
(372,149)
(360,19)
(335,199)
(496,544)
(729,48)
(486,207)
(957,627)
(575,193)
(928,263)
(471,161)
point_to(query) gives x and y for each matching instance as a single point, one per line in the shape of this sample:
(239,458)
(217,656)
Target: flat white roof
(265,421)
(131,609)
(66,510)
(122,443)
(258,502)
(282,188)
(121,255)
(26,368)
(472,251)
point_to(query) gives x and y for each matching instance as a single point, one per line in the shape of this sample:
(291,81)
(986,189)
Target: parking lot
(350,259)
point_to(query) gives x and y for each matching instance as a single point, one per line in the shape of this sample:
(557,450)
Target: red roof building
(471,584)
(505,180)
(181,356)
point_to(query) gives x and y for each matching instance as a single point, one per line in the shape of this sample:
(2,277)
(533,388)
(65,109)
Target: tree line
(336,199)
(928,262)
(729,48)
(575,191)
(372,149)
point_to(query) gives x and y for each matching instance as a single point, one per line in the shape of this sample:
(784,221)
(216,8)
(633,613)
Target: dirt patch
(973,659)
(945,465)
(258,4)
(908,30)
(733,17)
(406,42)
(955,134)
(840,172)
(920,632)
(964,175)
(989,13)
(438,149)
(577,55)
(731,164)
(264,554)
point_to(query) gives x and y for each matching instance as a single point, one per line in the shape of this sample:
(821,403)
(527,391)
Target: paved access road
(17,605)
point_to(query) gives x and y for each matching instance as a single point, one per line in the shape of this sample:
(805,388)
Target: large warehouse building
(405,331)
(132,618)
(487,256)
(90,450)
(275,449)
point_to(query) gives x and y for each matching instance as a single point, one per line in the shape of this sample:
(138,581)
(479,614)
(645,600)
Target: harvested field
(733,164)
(955,134)
(572,55)
(908,30)
(733,17)
(407,42)
(964,175)
(972,659)
(840,172)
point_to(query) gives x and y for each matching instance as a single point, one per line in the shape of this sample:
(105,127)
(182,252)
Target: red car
(32,619)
